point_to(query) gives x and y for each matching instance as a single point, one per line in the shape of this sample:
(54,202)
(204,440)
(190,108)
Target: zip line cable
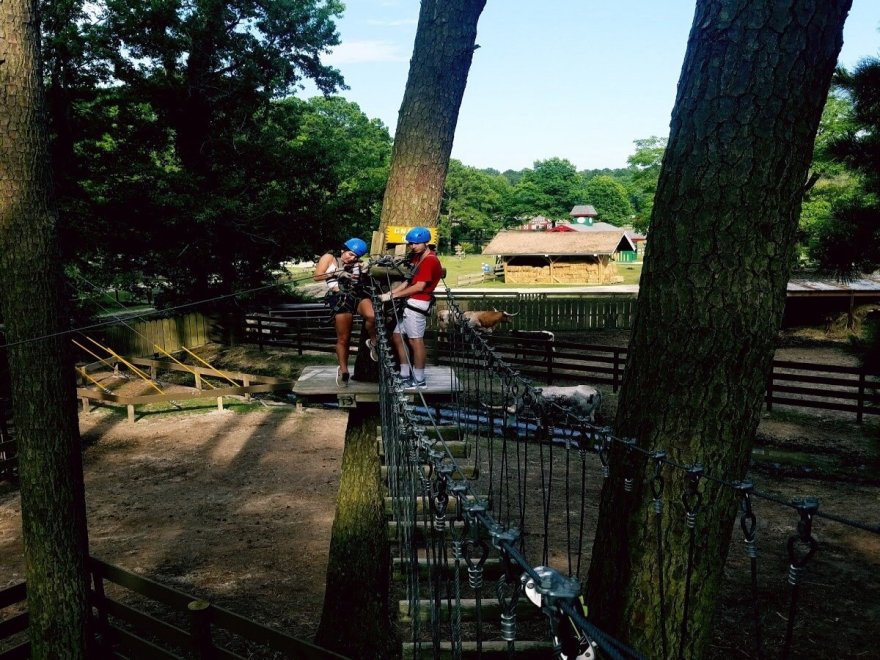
(115,320)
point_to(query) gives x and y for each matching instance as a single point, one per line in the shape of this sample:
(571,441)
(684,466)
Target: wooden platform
(318,384)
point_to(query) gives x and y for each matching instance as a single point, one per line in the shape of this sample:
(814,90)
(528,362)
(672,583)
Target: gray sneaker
(374,354)
(414,384)
(342,378)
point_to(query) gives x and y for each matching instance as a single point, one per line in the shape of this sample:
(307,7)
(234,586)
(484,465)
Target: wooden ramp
(318,384)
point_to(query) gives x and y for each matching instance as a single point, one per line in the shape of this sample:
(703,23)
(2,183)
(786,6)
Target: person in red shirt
(409,335)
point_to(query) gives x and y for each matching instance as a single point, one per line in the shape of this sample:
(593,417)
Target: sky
(574,79)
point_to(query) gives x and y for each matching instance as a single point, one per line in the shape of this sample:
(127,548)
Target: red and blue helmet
(418,235)
(357,246)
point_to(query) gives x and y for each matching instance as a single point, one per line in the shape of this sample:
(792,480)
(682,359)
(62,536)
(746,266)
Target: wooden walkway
(318,385)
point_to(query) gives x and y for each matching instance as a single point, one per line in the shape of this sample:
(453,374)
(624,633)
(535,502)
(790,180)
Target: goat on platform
(482,320)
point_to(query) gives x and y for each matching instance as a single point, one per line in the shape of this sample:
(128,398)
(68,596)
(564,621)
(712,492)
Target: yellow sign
(398,234)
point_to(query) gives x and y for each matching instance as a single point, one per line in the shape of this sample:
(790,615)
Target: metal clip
(806,507)
(692,497)
(747,521)
(657,481)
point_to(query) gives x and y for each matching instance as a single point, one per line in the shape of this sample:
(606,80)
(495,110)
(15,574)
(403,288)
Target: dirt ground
(236,507)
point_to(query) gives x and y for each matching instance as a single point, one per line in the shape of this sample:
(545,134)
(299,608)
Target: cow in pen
(482,320)
(581,401)
(531,340)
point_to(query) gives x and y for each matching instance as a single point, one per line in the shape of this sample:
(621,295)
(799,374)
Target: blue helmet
(356,245)
(418,235)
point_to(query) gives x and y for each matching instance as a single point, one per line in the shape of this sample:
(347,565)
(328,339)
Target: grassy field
(471,265)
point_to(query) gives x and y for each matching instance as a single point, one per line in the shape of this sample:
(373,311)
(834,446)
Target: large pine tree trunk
(438,72)
(357,619)
(752,88)
(44,403)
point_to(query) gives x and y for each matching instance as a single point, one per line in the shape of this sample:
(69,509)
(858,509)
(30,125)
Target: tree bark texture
(442,54)
(358,618)
(752,88)
(44,403)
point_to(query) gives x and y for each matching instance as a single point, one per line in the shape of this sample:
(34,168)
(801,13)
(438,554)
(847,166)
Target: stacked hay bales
(564,272)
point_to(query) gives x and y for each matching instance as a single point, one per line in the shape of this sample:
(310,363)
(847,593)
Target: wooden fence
(177,626)
(552,311)
(803,385)
(139,337)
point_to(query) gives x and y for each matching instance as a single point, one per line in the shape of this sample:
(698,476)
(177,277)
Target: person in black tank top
(346,296)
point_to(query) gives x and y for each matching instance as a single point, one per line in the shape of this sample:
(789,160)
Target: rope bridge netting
(495,496)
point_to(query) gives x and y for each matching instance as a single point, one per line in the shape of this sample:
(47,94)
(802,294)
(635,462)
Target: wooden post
(101,605)
(130,407)
(615,378)
(861,400)
(85,403)
(220,403)
(246,383)
(260,332)
(198,381)
(200,630)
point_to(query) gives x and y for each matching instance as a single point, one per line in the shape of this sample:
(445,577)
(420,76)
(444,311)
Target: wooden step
(418,531)
(422,504)
(491,650)
(466,472)
(489,606)
(447,432)
(455,448)
(492,569)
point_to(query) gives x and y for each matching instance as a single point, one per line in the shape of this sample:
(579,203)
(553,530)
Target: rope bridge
(493,496)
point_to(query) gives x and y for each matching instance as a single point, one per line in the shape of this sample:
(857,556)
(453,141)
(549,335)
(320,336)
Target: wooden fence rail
(828,387)
(186,628)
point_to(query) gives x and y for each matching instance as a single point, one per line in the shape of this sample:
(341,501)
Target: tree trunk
(357,619)
(43,394)
(438,71)
(752,88)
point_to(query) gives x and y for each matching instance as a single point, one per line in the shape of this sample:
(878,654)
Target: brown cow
(482,320)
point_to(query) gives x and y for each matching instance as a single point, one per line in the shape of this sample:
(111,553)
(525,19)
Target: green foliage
(551,189)
(840,220)
(474,202)
(645,168)
(177,165)
(610,200)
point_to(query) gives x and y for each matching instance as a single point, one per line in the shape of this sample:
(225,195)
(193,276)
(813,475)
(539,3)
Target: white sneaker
(342,378)
(374,354)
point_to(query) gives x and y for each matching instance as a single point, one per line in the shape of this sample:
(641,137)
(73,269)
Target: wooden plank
(490,608)
(14,624)
(493,568)
(137,647)
(321,381)
(12,595)
(278,641)
(97,395)
(20,652)
(144,586)
(490,650)
(160,629)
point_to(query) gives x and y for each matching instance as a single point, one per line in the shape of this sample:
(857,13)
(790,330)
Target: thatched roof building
(559,257)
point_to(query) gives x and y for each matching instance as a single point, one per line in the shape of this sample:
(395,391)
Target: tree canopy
(609,198)
(844,235)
